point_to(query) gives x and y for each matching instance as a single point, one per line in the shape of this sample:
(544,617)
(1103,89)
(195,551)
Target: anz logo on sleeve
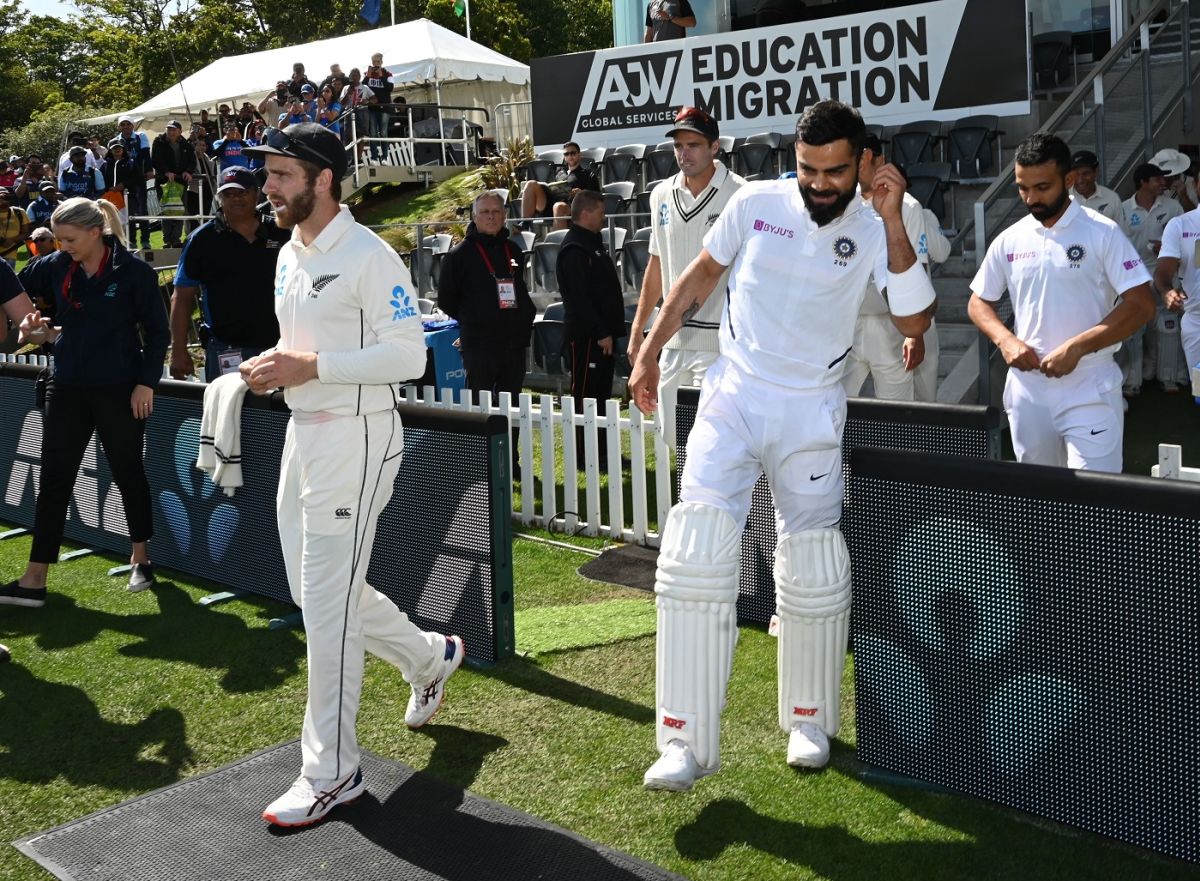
(401,304)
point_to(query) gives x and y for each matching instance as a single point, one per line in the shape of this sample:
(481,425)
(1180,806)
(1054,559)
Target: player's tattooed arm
(690,312)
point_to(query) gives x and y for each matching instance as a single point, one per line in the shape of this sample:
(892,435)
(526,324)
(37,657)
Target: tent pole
(437,84)
(467,9)
(393,6)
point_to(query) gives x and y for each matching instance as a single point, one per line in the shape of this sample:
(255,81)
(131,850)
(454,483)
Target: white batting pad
(697,584)
(812,595)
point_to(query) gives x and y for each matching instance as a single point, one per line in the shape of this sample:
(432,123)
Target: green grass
(112,694)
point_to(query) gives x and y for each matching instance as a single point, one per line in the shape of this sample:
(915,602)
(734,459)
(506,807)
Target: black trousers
(72,415)
(591,377)
(496,369)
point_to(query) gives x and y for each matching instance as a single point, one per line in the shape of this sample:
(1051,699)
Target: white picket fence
(552,421)
(1170,465)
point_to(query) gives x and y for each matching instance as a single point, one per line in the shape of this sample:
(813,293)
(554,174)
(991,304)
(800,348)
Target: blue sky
(48,7)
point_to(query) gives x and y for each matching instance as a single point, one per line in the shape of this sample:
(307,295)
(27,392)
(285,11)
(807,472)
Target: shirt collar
(331,234)
(715,182)
(1074,211)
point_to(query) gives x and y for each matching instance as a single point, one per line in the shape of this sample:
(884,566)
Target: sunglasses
(281,140)
(570,152)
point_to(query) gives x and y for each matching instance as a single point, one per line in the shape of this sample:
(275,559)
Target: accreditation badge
(506,290)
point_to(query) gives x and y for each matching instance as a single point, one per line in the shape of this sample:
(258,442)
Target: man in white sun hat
(1180,185)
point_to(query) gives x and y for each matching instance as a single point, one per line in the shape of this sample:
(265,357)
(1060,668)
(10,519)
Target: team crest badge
(1076,253)
(664,215)
(844,250)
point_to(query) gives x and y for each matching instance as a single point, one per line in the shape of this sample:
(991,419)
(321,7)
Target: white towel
(221,432)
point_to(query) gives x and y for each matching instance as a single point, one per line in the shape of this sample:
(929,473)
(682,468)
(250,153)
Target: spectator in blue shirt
(78,179)
(228,150)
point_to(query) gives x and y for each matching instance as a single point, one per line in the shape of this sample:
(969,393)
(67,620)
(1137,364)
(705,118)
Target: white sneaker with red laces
(309,800)
(426,699)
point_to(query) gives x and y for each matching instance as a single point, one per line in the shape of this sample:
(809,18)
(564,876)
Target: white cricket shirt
(795,288)
(1144,225)
(1181,240)
(348,297)
(1062,280)
(679,222)
(912,214)
(1103,201)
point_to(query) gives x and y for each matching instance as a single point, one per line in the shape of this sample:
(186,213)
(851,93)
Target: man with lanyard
(1088,192)
(349,334)
(1078,288)
(482,286)
(229,263)
(682,209)
(1153,350)
(772,402)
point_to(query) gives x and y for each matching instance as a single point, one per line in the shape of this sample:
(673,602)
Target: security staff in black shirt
(594,311)
(230,263)
(110,337)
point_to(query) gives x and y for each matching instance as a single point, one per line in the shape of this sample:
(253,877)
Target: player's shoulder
(764,192)
(1098,223)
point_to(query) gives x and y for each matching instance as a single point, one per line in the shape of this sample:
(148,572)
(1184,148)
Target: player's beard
(1045,212)
(295,212)
(824,214)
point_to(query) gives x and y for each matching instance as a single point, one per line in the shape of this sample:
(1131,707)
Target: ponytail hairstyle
(87,214)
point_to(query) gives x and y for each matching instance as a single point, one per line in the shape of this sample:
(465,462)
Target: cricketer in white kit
(1179,258)
(350,332)
(1078,287)
(801,260)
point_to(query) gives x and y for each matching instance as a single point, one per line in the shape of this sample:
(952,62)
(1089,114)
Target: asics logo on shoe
(326,796)
(431,690)
(678,724)
(804,711)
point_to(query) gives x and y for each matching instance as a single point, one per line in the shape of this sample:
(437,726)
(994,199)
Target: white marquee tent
(426,60)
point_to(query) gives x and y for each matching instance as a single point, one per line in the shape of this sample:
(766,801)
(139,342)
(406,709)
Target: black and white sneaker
(308,801)
(12,594)
(141,576)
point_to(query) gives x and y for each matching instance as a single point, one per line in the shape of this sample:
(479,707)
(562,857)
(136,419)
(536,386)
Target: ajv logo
(633,93)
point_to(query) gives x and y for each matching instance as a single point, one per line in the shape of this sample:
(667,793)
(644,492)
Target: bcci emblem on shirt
(844,250)
(1076,253)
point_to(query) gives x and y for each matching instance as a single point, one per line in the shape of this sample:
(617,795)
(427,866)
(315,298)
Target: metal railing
(514,120)
(403,151)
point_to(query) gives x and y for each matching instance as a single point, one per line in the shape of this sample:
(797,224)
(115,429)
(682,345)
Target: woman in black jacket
(107,303)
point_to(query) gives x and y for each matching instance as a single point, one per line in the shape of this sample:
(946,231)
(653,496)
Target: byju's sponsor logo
(766,226)
(633,93)
(1131,264)
(401,304)
(1015,256)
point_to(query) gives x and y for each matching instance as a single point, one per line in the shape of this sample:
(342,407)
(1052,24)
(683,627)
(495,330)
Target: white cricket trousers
(335,478)
(746,426)
(878,352)
(1076,421)
(1189,330)
(678,368)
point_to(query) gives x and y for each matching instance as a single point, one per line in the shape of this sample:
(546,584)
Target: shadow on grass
(527,675)
(50,730)
(432,823)
(182,630)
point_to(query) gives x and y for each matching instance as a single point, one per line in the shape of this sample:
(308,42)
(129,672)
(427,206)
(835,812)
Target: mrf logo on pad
(672,722)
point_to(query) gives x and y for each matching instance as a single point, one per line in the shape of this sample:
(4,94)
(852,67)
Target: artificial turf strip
(558,628)
(112,694)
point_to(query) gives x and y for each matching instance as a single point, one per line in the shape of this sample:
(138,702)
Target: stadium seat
(787,152)
(634,259)
(1053,60)
(439,242)
(661,161)
(642,234)
(555,312)
(969,148)
(541,170)
(553,156)
(876,129)
(523,239)
(549,347)
(726,154)
(614,242)
(915,142)
(624,164)
(422,269)
(617,197)
(595,155)
(545,258)
(928,183)
(426,305)
(757,155)
(770,175)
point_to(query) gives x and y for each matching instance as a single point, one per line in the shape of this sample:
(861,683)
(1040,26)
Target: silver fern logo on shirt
(321,282)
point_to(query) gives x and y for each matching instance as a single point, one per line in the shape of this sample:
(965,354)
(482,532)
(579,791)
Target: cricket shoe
(426,699)
(141,576)
(676,769)
(309,800)
(808,746)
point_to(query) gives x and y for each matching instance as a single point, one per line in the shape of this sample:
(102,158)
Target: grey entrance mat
(627,565)
(409,826)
